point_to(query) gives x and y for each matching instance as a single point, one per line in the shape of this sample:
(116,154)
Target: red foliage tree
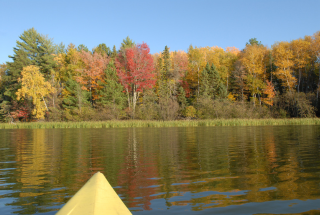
(20,111)
(135,70)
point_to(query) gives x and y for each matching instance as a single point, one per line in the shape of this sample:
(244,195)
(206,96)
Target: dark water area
(195,170)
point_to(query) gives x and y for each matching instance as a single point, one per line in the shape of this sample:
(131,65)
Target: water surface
(201,170)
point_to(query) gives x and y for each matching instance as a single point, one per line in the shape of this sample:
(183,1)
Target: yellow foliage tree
(213,55)
(315,50)
(227,63)
(253,59)
(35,87)
(300,57)
(283,60)
(197,62)
(70,66)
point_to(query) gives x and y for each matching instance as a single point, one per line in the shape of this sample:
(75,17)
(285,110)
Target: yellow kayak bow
(96,197)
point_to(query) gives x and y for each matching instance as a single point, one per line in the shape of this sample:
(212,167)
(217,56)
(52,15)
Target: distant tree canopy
(49,81)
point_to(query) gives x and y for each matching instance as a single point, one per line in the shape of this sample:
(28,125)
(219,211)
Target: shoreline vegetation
(90,88)
(153,123)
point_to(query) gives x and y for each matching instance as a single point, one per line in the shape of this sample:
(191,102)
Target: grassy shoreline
(176,123)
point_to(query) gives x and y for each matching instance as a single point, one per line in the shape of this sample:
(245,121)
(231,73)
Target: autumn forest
(52,82)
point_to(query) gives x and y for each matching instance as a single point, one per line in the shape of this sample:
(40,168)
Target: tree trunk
(299,80)
(44,102)
(318,86)
(227,82)
(198,84)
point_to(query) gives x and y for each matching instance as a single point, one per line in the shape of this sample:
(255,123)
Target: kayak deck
(96,197)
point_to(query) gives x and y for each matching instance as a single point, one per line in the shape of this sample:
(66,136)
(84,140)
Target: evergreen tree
(219,90)
(102,49)
(60,49)
(159,68)
(127,43)
(168,104)
(82,47)
(114,52)
(33,49)
(205,82)
(46,58)
(111,95)
(183,103)
(73,96)
(148,108)
(211,83)
(10,80)
(254,41)
(166,62)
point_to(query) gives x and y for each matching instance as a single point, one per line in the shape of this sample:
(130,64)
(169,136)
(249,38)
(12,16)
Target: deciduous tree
(283,60)
(92,72)
(179,64)
(197,62)
(253,59)
(34,86)
(301,57)
(270,94)
(135,70)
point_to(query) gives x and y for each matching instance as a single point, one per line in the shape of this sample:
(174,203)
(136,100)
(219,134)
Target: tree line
(47,81)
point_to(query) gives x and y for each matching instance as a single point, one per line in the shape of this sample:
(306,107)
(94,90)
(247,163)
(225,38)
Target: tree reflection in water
(230,170)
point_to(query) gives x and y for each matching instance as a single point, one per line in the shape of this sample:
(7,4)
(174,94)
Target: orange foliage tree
(270,93)
(92,72)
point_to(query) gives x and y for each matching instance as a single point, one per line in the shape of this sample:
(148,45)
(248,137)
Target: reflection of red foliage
(135,179)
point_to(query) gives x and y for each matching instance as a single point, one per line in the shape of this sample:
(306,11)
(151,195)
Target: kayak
(96,197)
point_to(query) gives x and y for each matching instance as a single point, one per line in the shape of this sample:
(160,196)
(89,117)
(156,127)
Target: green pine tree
(127,43)
(33,49)
(60,48)
(46,58)
(254,41)
(166,62)
(206,84)
(82,47)
(102,49)
(74,97)
(114,52)
(218,89)
(111,94)
(183,103)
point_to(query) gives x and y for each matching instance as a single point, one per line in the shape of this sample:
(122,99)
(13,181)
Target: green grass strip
(175,123)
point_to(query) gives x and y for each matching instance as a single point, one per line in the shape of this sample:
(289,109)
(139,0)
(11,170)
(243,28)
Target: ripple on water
(204,170)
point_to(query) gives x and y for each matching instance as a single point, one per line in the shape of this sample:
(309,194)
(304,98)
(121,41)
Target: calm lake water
(202,170)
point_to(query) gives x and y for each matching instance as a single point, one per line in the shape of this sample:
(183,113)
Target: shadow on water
(194,170)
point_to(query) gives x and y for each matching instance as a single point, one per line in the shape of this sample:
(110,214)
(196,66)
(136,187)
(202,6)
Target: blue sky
(175,23)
